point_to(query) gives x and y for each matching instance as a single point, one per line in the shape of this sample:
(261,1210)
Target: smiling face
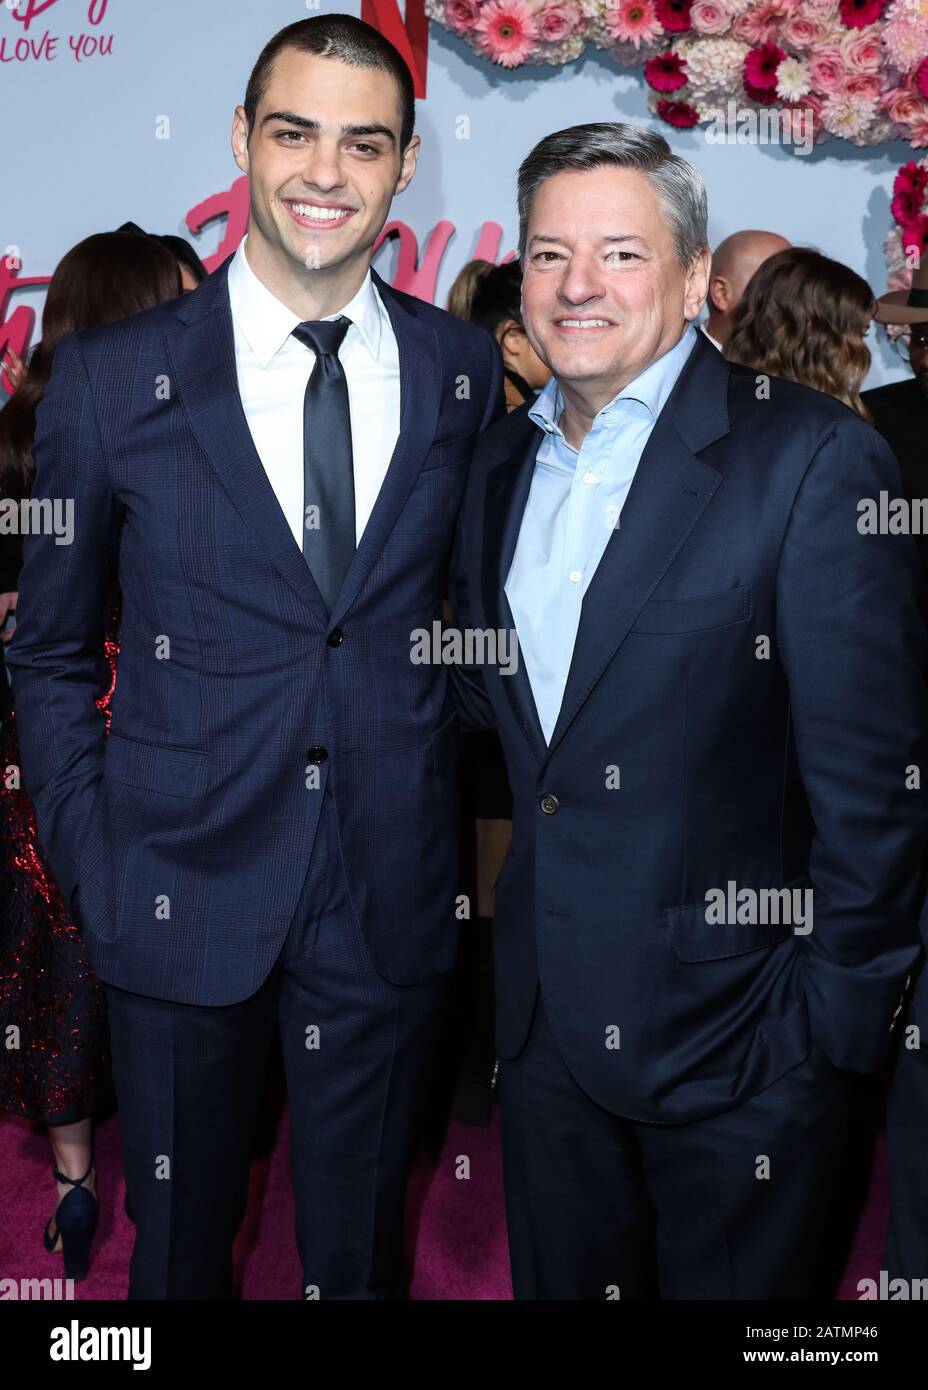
(603,294)
(324,162)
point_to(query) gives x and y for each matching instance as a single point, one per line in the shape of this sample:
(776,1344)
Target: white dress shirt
(273,368)
(714,341)
(573,508)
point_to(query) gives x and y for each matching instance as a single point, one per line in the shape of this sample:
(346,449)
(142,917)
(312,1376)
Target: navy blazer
(765,763)
(183,838)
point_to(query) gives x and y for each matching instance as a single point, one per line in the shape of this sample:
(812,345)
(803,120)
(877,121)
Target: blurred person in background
(192,270)
(900,410)
(734,261)
(900,413)
(59,1074)
(804,317)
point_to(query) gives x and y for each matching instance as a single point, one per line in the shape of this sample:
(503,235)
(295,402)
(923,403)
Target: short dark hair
(346,38)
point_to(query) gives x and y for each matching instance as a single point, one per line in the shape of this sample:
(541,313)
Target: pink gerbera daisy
(857,14)
(674,15)
(632,21)
(921,77)
(506,31)
(666,72)
(760,67)
(678,113)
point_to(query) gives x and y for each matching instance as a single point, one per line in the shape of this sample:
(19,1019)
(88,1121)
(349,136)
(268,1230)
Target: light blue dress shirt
(573,507)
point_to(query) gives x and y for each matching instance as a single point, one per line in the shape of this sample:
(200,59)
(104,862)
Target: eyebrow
(309,123)
(559,241)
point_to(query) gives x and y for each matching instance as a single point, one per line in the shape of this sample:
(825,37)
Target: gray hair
(680,188)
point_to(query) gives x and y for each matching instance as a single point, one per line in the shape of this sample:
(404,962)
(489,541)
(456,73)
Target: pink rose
(918,133)
(758,24)
(901,105)
(461,15)
(801,31)
(710,17)
(826,70)
(861,51)
(556,21)
(865,84)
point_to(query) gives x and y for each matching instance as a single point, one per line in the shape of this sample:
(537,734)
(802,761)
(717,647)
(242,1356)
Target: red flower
(760,68)
(673,14)
(915,234)
(678,113)
(910,187)
(665,73)
(764,96)
(904,207)
(921,77)
(857,14)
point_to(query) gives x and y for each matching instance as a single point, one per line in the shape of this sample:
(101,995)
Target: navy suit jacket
(768,763)
(183,838)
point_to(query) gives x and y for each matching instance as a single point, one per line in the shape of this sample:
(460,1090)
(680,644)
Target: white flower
(793,79)
(713,64)
(848,116)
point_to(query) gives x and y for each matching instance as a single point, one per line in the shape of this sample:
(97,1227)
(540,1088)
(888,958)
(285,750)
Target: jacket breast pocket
(158,767)
(696,614)
(445,452)
(694,937)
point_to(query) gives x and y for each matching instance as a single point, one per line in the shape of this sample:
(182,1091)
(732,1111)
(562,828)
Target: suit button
(316,755)
(336,637)
(548,803)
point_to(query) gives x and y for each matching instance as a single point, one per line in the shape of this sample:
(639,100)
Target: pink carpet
(455,1227)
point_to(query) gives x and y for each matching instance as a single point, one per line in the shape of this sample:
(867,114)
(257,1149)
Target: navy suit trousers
(730,1207)
(188,1079)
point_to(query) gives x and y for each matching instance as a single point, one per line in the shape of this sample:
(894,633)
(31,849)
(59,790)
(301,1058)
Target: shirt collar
(267,323)
(651,388)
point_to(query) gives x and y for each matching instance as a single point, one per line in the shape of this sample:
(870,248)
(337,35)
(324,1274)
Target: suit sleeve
(854,650)
(56,658)
(470,698)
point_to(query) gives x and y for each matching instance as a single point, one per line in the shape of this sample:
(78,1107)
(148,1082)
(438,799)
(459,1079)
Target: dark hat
(906,306)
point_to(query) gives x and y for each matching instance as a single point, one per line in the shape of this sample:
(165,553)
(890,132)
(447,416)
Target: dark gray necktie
(328,471)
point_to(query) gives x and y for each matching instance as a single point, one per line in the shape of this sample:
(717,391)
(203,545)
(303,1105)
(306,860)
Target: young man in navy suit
(268,834)
(708,912)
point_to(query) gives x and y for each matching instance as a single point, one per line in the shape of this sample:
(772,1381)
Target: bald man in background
(734,261)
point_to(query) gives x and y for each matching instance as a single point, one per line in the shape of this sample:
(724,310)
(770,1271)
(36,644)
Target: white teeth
(584,323)
(319,214)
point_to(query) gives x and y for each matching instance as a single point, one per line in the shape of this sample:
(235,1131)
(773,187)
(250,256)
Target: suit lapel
(420,389)
(506,494)
(203,356)
(671,489)
(204,374)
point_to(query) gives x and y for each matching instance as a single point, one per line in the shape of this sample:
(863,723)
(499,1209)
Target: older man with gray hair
(708,912)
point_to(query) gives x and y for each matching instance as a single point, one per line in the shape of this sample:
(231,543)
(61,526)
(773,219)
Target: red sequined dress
(54,1045)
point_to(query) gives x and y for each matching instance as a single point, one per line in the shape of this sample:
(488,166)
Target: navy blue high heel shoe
(76,1221)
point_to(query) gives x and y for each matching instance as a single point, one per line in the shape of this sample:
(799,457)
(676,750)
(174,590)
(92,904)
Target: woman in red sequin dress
(54,1063)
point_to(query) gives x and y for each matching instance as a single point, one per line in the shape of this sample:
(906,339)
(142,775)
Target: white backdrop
(81,146)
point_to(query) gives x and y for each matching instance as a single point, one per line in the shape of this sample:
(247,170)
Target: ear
(696,285)
(240,139)
(408,166)
(509,349)
(720,294)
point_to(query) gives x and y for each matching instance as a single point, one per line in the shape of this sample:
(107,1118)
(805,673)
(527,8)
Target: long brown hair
(803,317)
(103,278)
